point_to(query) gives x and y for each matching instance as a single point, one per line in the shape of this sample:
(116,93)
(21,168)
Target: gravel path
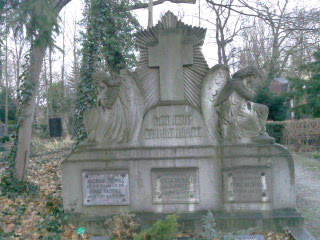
(308,191)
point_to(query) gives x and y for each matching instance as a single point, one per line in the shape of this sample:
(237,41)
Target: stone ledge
(84,152)
(275,220)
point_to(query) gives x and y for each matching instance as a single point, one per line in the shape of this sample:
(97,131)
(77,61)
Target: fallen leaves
(38,216)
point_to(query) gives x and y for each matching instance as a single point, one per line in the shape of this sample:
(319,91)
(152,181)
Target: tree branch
(59,4)
(145,5)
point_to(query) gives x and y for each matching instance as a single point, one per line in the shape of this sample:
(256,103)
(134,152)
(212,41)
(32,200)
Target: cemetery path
(308,191)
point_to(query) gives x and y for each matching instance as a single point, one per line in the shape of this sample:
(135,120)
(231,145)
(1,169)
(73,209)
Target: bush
(209,225)
(123,225)
(162,230)
(316,155)
(4,139)
(278,105)
(276,130)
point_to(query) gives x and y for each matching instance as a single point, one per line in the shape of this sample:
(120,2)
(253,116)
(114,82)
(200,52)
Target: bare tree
(227,27)
(273,41)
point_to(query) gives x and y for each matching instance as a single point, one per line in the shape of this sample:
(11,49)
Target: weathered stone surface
(105,188)
(178,125)
(170,55)
(247,185)
(227,105)
(178,141)
(213,83)
(141,200)
(175,185)
(176,48)
(252,161)
(3,128)
(118,115)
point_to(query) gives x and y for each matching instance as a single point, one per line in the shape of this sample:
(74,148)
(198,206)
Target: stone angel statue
(117,118)
(236,119)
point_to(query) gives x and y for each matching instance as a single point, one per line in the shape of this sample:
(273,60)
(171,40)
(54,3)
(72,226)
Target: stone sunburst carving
(193,74)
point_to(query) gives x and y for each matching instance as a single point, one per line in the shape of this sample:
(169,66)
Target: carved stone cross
(170,55)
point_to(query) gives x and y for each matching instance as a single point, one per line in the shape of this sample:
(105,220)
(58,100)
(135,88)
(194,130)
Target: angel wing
(213,83)
(133,104)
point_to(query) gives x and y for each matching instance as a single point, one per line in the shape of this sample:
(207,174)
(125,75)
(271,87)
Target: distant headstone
(3,129)
(55,127)
(244,237)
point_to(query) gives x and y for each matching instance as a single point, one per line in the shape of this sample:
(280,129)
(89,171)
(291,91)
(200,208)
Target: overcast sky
(188,12)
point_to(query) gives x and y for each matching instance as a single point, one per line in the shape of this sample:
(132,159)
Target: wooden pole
(150,15)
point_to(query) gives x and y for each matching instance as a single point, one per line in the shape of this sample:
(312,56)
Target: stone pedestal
(243,185)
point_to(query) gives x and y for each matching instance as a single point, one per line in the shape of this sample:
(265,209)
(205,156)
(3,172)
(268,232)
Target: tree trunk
(50,109)
(27,114)
(25,129)
(63,53)
(7,87)
(47,89)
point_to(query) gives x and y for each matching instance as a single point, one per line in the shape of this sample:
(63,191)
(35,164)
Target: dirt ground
(308,191)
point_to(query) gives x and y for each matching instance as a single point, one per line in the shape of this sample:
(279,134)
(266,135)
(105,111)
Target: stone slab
(175,185)
(105,188)
(170,55)
(55,127)
(100,238)
(300,233)
(3,129)
(244,237)
(248,185)
(178,125)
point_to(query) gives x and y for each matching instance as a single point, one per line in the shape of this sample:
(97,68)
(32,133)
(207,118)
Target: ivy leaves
(37,17)
(107,44)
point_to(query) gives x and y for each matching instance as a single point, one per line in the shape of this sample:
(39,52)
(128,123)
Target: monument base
(276,220)
(242,185)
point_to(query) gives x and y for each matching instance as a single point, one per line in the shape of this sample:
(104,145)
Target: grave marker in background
(3,130)
(55,127)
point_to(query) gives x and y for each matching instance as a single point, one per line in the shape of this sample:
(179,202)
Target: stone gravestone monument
(3,130)
(177,137)
(55,127)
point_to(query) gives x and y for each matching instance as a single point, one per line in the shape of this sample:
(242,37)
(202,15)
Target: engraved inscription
(173,126)
(247,185)
(175,185)
(105,188)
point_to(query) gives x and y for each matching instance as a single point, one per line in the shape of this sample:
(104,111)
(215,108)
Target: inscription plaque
(105,188)
(175,185)
(172,126)
(245,185)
